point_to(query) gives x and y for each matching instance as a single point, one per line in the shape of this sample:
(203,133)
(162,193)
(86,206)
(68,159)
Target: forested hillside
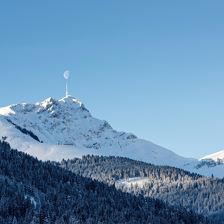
(174,186)
(38,192)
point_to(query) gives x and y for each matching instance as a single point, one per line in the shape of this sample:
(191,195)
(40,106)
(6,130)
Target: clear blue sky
(154,68)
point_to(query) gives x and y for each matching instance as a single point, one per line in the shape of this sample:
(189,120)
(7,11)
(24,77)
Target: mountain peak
(70,99)
(55,129)
(49,101)
(217,156)
(66,102)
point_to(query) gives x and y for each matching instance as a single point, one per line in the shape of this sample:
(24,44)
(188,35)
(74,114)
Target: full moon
(66,74)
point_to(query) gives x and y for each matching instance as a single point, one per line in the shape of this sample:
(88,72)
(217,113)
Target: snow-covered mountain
(63,129)
(217,157)
(214,163)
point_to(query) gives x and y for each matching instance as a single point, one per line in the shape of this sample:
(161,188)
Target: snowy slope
(212,164)
(129,182)
(217,157)
(57,129)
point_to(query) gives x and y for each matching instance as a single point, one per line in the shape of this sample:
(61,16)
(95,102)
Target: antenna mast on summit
(66,76)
